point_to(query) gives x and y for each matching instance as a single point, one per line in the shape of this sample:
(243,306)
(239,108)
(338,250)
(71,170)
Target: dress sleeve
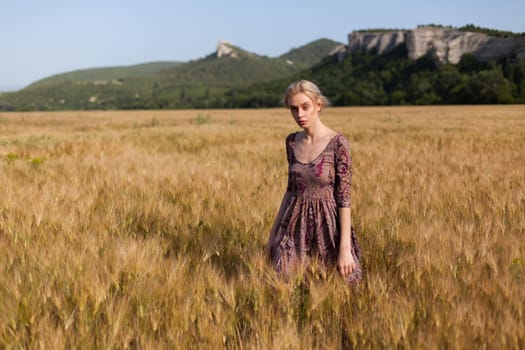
(289,156)
(289,150)
(343,172)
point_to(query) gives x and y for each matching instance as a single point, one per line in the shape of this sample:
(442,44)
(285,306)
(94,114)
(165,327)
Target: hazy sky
(41,38)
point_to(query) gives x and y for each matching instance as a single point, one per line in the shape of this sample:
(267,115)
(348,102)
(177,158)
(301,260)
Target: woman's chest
(320,171)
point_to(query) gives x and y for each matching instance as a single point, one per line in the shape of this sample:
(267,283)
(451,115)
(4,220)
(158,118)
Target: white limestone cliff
(444,45)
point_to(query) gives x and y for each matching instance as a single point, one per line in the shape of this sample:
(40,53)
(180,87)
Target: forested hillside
(392,79)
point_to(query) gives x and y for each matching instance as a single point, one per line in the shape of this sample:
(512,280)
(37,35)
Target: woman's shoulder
(341,141)
(291,137)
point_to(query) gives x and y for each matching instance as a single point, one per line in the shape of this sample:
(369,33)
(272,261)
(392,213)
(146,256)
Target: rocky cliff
(445,45)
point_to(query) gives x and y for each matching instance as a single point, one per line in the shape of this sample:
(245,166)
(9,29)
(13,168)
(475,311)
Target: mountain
(426,65)
(164,84)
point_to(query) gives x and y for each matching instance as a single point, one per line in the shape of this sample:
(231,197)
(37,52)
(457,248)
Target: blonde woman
(314,220)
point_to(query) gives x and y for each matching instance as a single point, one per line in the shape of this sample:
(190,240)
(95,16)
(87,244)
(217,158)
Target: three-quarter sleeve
(289,156)
(343,172)
(289,150)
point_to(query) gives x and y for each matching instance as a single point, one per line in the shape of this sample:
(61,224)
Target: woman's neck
(315,131)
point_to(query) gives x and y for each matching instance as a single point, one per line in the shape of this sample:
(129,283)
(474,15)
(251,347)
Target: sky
(46,37)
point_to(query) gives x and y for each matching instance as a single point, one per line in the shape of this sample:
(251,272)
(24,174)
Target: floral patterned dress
(309,217)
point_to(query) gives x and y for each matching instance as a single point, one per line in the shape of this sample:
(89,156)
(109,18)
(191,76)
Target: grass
(146,230)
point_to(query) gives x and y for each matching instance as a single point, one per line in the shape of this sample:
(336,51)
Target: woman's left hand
(346,262)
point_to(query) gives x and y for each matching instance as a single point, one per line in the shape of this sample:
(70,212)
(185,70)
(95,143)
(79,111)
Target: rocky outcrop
(444,45)
(225,49)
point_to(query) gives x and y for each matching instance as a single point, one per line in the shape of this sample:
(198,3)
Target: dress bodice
(327,177)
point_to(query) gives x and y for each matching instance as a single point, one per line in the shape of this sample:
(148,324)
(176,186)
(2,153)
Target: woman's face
(305,112)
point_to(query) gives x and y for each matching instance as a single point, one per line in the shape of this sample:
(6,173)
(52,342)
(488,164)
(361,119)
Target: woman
(314,220)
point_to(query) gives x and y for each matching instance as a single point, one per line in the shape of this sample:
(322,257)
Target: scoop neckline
(319,155)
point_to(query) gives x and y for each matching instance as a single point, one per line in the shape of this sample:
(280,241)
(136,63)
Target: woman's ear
(319,105)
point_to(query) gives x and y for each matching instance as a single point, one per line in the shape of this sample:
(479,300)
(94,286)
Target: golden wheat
(146,230)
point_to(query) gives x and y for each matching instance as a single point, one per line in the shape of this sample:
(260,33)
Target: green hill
(191,84)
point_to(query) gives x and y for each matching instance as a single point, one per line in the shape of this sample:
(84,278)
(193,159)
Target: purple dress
(309,217)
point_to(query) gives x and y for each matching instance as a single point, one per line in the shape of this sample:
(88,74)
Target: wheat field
(146,229)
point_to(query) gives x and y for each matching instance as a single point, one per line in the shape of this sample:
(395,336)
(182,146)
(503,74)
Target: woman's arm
(345,260)
(343,183)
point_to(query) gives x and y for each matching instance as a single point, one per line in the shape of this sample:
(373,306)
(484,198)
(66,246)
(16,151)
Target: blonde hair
(309,89)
